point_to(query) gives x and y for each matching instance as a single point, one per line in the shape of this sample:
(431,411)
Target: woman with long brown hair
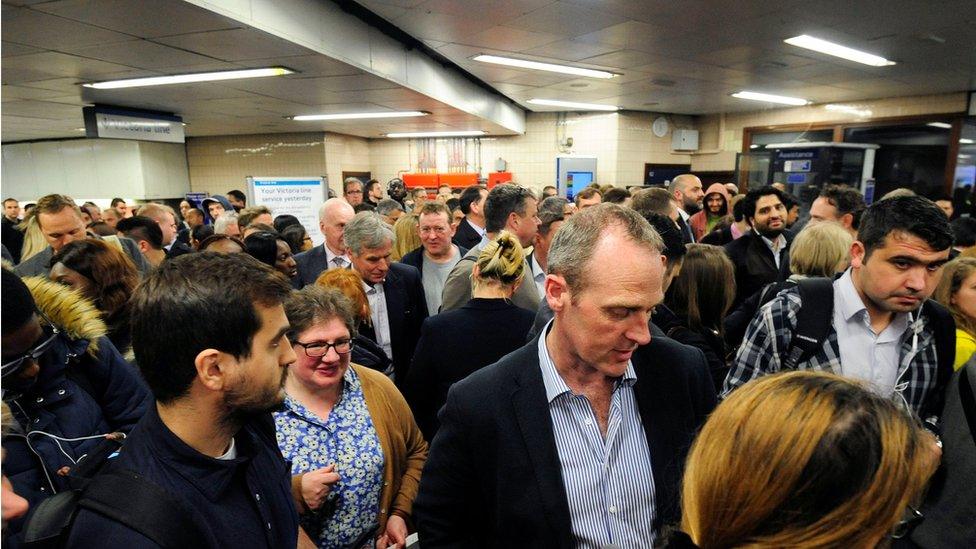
(803,459)
(105,275)
(957,292)
(699,297)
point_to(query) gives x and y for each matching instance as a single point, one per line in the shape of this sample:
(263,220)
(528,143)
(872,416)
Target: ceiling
(677,57)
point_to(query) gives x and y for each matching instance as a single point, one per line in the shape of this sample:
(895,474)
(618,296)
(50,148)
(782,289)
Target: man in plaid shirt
(879,332)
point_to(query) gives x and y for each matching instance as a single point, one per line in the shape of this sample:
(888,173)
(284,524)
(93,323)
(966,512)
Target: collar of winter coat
(76,316)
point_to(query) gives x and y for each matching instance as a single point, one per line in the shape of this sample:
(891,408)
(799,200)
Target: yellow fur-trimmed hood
(69,310)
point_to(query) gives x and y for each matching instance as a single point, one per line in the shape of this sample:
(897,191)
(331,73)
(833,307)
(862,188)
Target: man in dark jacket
(762,255)
(216,361)
(579,437)
(66,384)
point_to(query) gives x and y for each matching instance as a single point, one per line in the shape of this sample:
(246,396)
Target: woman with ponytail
(487,328)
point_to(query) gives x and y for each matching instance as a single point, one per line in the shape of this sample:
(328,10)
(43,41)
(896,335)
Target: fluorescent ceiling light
(830,48)
(189,78)
(942,125)
(540,66)
(462,133)
(573,105)
(359,115)
(769,98)
(965,141)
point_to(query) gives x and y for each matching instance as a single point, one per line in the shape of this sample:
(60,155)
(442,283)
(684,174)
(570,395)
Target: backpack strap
(144,506)
(813,320)
(943,328)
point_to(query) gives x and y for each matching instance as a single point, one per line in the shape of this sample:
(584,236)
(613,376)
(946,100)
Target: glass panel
(912,156)
(753,168)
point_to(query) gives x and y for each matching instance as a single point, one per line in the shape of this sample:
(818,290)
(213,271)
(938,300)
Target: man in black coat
(471,229)
(756,262)
(395,292)
(579,438)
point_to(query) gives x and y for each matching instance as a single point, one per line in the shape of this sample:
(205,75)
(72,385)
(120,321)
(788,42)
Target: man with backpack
(875,322)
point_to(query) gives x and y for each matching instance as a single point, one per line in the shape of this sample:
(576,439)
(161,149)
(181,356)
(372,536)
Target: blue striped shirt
(608,481)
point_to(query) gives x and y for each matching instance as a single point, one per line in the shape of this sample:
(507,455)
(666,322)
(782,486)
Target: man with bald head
(687,194)
(334,214)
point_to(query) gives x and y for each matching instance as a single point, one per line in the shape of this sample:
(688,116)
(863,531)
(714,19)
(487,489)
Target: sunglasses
(14,366)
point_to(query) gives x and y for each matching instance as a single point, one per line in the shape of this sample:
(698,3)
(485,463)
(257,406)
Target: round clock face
(660,126)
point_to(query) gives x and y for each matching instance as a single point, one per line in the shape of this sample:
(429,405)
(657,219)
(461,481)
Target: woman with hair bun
(803,459)
(481,332)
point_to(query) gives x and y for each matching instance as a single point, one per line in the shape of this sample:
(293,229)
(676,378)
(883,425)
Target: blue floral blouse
(348,439)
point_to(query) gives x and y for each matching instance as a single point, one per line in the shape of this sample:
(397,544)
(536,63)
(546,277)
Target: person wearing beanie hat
(64,382)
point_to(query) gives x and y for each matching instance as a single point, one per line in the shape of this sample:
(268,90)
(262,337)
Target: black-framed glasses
(911,519)
(14,366)
(318,349)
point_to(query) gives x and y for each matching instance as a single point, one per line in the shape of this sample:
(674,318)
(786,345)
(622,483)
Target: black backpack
(119,494)
(815,318)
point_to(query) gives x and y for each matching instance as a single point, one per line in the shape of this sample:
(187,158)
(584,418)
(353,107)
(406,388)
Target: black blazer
(492,477)
(177,249)
(406,308)
(466,236)
(457,343)
(754,264)
(415,258)
(310,265)
(720,237)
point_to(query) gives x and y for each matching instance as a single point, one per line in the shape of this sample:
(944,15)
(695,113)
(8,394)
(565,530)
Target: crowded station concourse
(540,274)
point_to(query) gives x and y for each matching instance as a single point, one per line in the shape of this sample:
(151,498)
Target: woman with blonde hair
(957,292)
(819,250)
(803,459)
(484,330)
(366,352)
(407,236)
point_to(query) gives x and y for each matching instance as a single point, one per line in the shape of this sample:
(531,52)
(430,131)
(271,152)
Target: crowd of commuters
(688,365)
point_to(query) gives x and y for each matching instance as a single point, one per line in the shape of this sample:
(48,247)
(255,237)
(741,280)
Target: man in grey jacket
(508,208)
(60,221)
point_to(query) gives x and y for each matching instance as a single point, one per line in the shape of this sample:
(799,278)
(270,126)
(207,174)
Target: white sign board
(297,196)
(118,124)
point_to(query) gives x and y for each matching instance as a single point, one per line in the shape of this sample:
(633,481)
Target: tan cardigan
(404,448)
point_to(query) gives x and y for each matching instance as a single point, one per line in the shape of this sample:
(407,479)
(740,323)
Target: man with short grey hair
(577,438)
(395,291)
(390,210)
(352,190)
(687,194)
(334,214)
(226,223)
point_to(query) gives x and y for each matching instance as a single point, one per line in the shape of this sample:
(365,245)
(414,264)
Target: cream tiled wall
(345,153)
(219,164)
(730,140)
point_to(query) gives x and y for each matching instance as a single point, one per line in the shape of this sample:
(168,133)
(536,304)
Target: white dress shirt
(380,316)
(864,355)
(539,276)
(331,259)
(775,246)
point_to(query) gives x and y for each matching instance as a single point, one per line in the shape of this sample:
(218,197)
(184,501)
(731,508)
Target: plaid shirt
(767,341)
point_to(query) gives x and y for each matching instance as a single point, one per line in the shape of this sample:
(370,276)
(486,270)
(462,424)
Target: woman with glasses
(347,431)
(804,459)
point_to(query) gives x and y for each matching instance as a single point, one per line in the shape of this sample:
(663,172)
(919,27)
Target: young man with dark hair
(147,235)
(216,361)
(12,238)
(548,190)
(237,199)
(839,203)
(964,233)
(511,208)
(471,230)
(373,194)
(617,195)
(762,255)
(549,223)
(588,197)
(879,330)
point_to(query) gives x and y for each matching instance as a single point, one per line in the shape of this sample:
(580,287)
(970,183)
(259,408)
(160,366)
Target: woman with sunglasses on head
(66,384)
(354,446)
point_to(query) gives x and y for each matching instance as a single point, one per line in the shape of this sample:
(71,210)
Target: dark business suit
(754,264)
(466,236)
(493,477)
(177,249)
(406,309)
(457,343)
(310,265)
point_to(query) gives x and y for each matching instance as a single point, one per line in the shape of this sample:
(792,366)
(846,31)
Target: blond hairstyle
(501,261)
(819,248)
(802,459)
(955,273)
(34,241)
(350,284)
(407,239)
